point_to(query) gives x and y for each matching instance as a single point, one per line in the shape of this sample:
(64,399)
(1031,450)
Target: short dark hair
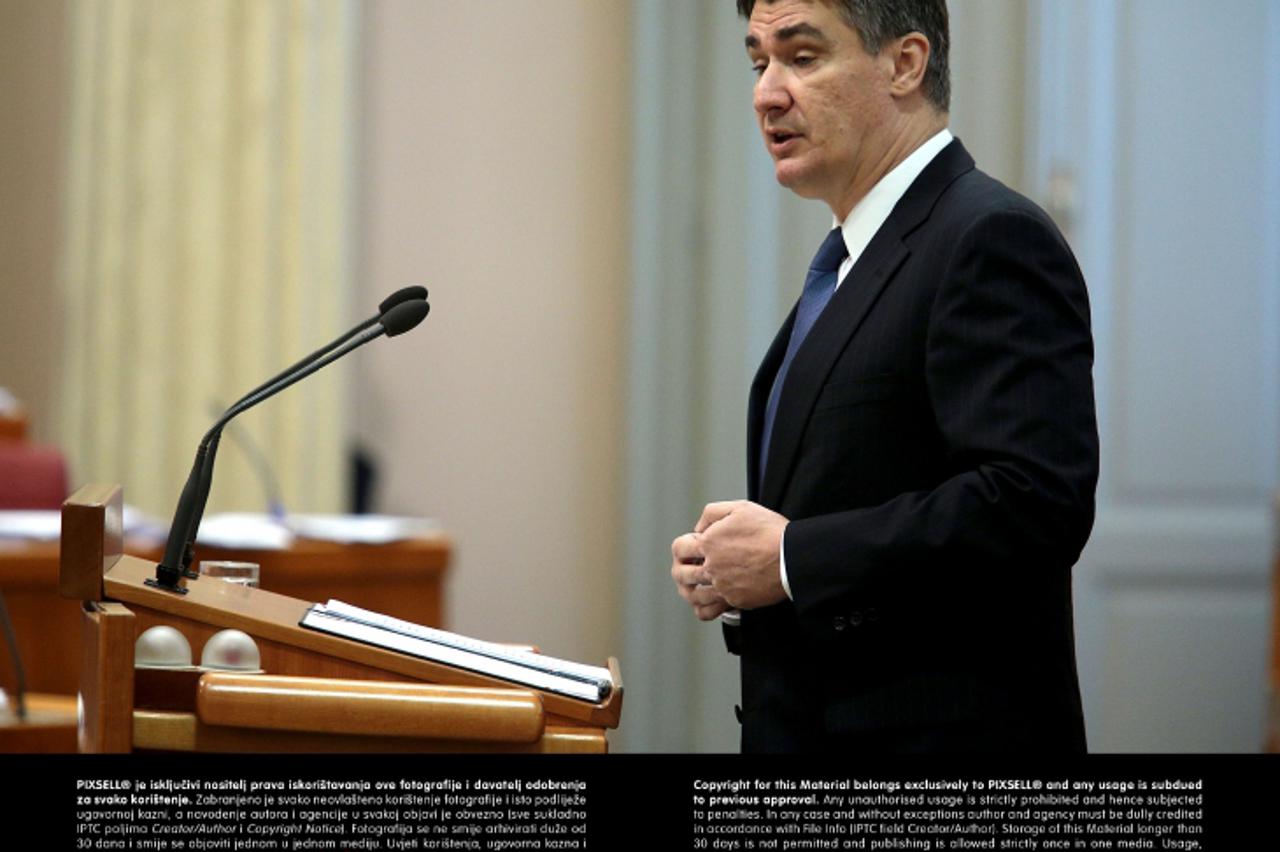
(878,21)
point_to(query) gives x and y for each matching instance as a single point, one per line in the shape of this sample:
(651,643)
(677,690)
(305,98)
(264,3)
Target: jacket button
(838,623)
(855,618)
(873,614)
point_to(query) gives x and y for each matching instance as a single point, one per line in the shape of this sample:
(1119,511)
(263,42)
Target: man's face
(822,102)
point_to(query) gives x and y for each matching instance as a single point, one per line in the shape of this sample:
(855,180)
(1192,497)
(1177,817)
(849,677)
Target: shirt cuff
(733,617)
(782,564)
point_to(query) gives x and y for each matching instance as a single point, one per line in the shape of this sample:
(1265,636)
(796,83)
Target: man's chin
(794,177)
(786,172)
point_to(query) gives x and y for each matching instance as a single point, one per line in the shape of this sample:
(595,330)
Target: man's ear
(910,55)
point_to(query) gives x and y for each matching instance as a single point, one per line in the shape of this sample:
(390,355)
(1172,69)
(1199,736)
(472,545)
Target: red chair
(31,476)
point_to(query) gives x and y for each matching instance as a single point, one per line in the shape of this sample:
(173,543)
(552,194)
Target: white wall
(1171,156)
(495,173)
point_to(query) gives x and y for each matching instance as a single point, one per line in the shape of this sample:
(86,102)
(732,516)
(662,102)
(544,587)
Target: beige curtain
(208,241)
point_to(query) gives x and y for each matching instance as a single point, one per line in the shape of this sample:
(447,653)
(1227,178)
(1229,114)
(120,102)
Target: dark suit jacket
(936,450)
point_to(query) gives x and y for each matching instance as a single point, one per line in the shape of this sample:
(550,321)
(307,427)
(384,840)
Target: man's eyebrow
(801,30)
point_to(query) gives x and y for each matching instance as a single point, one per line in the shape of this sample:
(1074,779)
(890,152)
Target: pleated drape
(209,216)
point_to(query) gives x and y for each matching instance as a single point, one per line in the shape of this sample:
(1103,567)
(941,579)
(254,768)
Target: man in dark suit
(922,440)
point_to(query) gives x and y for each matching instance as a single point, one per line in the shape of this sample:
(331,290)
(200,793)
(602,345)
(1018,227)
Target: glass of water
(240,573)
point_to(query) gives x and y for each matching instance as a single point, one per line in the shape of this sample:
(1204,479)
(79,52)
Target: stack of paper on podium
(588,683)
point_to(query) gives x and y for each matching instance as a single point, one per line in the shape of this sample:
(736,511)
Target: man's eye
(757,68)
(804,60)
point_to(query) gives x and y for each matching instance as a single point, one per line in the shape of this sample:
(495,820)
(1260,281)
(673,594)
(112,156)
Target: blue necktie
(819,286)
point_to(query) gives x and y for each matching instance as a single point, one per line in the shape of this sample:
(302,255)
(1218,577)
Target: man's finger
(711,611)
(704,595)
(687,548)
(690,574)
(714,512)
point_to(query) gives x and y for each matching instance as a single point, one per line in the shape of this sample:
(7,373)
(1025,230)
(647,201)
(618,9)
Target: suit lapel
(758,400)
(858,292)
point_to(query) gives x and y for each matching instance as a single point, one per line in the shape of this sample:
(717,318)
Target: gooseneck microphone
(405,309)
(412,293)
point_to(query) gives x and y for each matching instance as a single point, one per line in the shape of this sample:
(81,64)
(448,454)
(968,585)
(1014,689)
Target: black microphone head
(404,294)
(404,316)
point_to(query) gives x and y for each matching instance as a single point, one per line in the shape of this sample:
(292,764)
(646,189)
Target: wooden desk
(404,579)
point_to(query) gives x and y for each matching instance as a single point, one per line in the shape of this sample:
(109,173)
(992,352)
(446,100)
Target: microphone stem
(314,356)
(178,552)
(203,486)
(20,698)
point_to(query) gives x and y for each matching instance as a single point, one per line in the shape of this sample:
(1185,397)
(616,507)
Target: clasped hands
(730,560)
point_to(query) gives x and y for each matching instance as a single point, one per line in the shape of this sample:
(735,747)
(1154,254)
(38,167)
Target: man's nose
(771,93)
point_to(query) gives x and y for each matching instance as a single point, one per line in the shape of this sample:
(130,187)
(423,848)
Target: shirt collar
(871,212)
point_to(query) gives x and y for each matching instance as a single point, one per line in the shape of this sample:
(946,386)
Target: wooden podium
(317,692)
